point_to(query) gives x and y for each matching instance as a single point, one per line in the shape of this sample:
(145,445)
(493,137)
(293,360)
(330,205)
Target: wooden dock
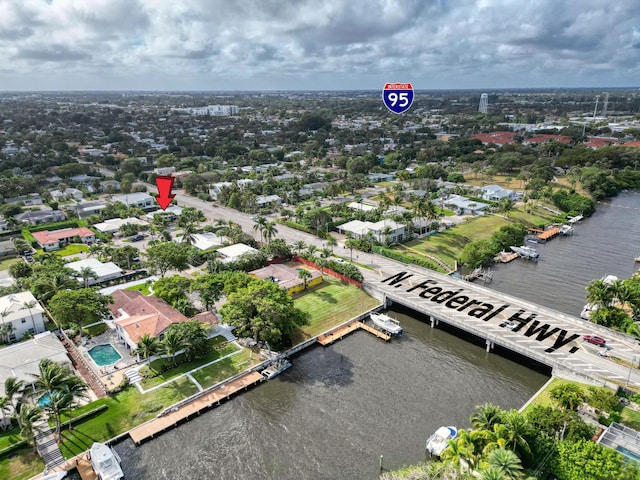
(160,424)
(85,469)
(336,335)
(506,257)
(549,234)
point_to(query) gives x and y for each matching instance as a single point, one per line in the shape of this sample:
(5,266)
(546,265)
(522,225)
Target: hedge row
(407,258)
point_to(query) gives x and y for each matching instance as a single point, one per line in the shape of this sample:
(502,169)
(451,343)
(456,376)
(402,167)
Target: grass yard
(226,368)
(71,249)
(329,304)
(21,464)
(544,398)
(142,288)
(96,330)
(127,409)
(5,263)
(9,437)
(182,368)
(630,418)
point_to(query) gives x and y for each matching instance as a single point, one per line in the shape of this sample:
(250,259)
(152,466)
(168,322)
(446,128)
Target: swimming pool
(629,454)
(44,400)
(104,354)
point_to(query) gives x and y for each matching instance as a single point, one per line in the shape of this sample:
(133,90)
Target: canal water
(339,408)
(604,244)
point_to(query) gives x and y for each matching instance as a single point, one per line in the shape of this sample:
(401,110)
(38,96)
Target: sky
(317,45)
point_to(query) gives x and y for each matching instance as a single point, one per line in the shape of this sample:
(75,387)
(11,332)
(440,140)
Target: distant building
(464,206)
(113,225)
(103,271)
(41,216)
(495,193)
(382,231)
(233,253)
(137,199)
(484,103)
(268,200)
(29,200)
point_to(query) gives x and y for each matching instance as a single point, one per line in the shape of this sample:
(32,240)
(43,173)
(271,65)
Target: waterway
(338,409)
(604,244)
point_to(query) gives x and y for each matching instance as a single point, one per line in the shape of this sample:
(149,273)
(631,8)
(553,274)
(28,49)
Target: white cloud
(214,44)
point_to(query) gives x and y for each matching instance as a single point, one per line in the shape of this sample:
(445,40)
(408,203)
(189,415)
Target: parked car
(595,340)
(137,238)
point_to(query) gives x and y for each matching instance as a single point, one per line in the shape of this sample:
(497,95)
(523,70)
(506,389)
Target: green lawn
(5,263)
(9,437)
(142,288)
(329,304)
(226,368)
(183,367)
(71,249)
(545,400)
(127,409)
(21,464)
(96,330)
(630,418)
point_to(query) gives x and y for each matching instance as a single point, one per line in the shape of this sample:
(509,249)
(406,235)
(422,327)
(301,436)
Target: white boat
(105,462)
(276,368)
(386,323)
(566,230)
(526,252)
(586,311)
(438,442)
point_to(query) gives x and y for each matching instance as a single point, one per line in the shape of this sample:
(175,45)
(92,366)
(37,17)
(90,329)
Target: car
(137,238)
(595,340)
(254,218)
(28,258)
(340,260)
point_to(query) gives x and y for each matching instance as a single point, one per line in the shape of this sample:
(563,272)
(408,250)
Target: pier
(195,406)
(334,336)
(549,234)
(85,469)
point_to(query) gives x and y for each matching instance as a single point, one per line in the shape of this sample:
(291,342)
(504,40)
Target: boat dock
(548,234)
(177,414)
(506,257)
(337,334)
(85,469)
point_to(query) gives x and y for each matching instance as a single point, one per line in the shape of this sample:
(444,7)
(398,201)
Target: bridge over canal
(534,331)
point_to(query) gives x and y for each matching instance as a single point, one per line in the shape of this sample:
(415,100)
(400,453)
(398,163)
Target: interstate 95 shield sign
(397,97)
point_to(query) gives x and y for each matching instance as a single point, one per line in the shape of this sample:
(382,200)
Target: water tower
(484,103)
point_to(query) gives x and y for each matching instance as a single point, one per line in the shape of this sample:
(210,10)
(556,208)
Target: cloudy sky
(317,44)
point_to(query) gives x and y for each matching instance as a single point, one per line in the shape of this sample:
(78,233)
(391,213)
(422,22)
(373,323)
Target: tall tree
(164,256)
(29,305)
(27,416)
(148,346)
(82,307)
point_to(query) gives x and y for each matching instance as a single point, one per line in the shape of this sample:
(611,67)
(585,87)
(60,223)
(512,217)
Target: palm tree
(332,242)
(6,328)
(188,232)
(493,473)
(13,389)
(486,416)
(259,226)
(27,416)
(599,293)
(53,376)
(299,246)
(505,206)
(57,283)
(61,401)
(518,432)
(87,273)
(148,347)
(269,231)
(173,343)
(458,453)
(505,461)
(95,250)
(311,250)
(28,306)
(4,404)
(304,275)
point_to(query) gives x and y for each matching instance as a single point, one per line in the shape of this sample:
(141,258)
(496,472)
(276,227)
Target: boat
(276,368)
(386,323)
(105,462)
(438,442)
(526,252)
(592,307)
(566,230)
(637,259)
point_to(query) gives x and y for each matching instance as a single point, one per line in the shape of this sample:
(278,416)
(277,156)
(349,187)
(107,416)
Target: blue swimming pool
(629,454)
(104,354)
(44,400)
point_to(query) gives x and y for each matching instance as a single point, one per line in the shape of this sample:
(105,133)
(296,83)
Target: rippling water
(604,244)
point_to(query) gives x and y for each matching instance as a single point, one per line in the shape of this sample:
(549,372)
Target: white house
(382,231)
(103,271)
(234,252)
(114,224)
(207,240)
(216,188)
(22,319)
(464,206)
(137,199)
(268,200)
(496,193)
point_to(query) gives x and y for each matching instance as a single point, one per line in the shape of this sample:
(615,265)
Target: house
(136,315)
(263,201)
(164,171)
(103,271)
(110,185)
(4,224)
(380,177)
(207,241)
(464,206)
(498,138)
(85,208)
(137,199)
(546,138)
(311,188)
(41,216)
(216,188)
(7,248)
(73,193)
(22,320)
(384,231)
(233,253)
(84,180)
(287,277)
(495,193)
(22,360)
(113,225)
(362,207)
(28,200)
(599,142)
(59,238)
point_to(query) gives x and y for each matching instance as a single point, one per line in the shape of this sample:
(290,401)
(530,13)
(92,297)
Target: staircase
(87,373)
(47,446)
(225,331)
(133,376)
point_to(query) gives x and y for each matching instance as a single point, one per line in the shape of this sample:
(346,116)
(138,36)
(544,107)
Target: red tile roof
(632,144)
(46,236)
(598,142)
(499,138)
(548,137)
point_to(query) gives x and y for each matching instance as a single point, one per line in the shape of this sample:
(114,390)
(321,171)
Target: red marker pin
(164,197)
